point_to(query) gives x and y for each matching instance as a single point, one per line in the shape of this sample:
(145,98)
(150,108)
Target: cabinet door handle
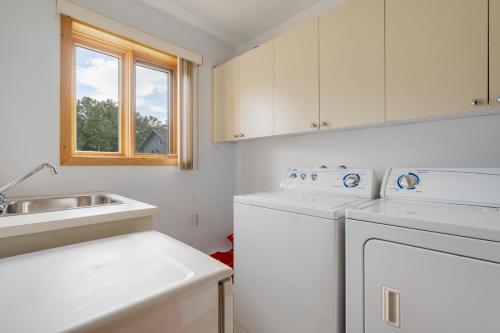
(313,125)
(241,135)
(498,99)
(475,102)
(323,124)
(236,136)
(391,307)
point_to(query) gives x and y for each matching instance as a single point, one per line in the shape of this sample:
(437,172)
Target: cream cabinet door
(296,76)
(495,53)
(351,63)
(256,92)
(226,101)
(436,57)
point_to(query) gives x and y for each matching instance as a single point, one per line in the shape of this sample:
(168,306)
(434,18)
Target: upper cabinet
(257,92)
(296,75)
(226,101)
(436,57)
(364,62)
(351,55)
(495,53)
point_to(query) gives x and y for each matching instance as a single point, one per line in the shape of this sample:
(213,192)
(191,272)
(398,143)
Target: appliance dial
(351,180)
(314,177)
(293,176)
(408,181)
(303,176)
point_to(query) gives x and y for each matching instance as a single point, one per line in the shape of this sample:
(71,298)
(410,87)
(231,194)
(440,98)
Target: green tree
(98,125)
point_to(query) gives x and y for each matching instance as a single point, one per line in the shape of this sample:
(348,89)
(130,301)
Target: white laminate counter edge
(17,225)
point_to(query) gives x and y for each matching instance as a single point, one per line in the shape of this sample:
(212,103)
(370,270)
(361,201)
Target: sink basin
(31,206)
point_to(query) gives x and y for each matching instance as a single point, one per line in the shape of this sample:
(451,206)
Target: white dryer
(426,257)
(289,251)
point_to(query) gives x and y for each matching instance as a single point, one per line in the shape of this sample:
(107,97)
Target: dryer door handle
(391,307)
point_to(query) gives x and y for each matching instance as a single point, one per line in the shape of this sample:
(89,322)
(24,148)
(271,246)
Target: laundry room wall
(29,122)
(463,142)
(317,9)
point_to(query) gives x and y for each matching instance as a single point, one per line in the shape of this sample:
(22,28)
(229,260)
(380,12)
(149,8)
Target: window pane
(152,105)
(97,93)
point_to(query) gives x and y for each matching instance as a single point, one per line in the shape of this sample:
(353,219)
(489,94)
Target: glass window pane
(97,93)
(152,104)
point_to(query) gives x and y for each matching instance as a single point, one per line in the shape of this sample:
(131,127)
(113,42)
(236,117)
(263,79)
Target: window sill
(114,160)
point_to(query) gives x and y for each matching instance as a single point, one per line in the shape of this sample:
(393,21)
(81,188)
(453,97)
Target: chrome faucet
(3,203)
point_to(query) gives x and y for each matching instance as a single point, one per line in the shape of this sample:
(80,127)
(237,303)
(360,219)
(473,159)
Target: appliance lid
(328,206)
(453,219)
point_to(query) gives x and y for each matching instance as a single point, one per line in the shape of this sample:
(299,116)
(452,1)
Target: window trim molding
(172,116)
(126,154)
(68,8)
(123,108)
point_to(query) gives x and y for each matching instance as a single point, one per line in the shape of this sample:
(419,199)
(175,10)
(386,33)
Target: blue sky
(97,76)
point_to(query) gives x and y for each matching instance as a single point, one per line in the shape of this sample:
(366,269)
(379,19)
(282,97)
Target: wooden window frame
(129,53)
(158,64)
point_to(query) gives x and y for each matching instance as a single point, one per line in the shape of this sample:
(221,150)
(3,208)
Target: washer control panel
(476,186)
(359,182)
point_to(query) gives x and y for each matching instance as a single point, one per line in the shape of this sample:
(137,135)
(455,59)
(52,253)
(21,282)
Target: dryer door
(415,290)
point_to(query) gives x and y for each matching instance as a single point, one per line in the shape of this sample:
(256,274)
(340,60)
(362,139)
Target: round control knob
(408,181)
(293,176)
(351,180)
(303,176)
(314,177)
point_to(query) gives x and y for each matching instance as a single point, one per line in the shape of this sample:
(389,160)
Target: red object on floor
(226,257)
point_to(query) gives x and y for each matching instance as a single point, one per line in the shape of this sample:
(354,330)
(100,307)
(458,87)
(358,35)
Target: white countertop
(17,225)
(84,285)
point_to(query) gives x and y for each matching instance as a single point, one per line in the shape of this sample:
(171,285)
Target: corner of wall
(316,10)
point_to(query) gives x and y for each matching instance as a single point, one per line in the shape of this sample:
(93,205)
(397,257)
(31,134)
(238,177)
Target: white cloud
(102,76)
(157,109)
(150,82)
(98,79)
(151,89)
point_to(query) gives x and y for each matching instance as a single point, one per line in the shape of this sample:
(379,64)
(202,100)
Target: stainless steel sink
(31,206)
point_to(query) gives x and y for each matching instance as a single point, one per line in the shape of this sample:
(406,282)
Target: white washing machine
(426,257)
(289,251)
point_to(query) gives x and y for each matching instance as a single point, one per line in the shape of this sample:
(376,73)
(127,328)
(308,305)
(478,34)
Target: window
(117,100)
(152,104)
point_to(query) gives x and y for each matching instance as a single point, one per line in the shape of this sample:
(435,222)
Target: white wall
(322,6)
(29,129)
(29,122)
(465,142)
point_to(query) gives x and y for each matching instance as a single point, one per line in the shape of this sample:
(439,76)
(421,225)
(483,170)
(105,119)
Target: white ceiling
(232,21)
